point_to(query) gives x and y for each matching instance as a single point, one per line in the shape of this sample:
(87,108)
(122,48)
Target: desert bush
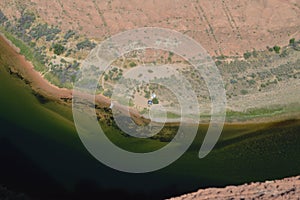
(233,81)
(69,34)
(147,94)
(132,64)
(244,92)
(270,49)
(251,82)
(218,63)
(58,49)
(86,44)
(50,37)
(63,60)
(106,77)
(292,41)
(247,55)
(155,101)
(68,53)
(3,18)
(255,53)
(26,20)
(42,30)
(277,49)
(75,65)
(284,53)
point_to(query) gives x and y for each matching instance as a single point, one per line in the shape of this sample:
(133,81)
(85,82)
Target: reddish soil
(222,26)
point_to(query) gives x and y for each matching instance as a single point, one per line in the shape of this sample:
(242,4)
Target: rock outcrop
(288,188)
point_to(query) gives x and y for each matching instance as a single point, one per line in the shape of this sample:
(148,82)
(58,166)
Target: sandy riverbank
(26,70)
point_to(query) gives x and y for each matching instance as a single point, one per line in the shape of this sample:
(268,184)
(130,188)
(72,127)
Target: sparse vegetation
(69,34)
(86,44)
(26,20)
(25,50)
(44,30)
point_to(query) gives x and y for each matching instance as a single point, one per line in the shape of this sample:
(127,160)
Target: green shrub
(26,20)
(244,92)
(284,53)
(292,41)
(86,44)
(147,94)
(43,30)
(69,34)
(247,55)
(3,18)
(132,64)
(218,62)
(58,49)
(270,49)
(106,77)
(277,49)
(255,54)
(252,82)
(155,101)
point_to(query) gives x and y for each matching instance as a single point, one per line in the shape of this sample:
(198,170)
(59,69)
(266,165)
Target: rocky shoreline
(288,188)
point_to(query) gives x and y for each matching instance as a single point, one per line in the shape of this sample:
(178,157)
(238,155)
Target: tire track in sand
(210,30)
(231,20)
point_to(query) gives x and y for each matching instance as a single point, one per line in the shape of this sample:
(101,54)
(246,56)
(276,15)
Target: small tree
(155,101)
(292,41)
(132,64)
(106,77)
(277,49)
(270,49)
(58,49)
(247,55)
